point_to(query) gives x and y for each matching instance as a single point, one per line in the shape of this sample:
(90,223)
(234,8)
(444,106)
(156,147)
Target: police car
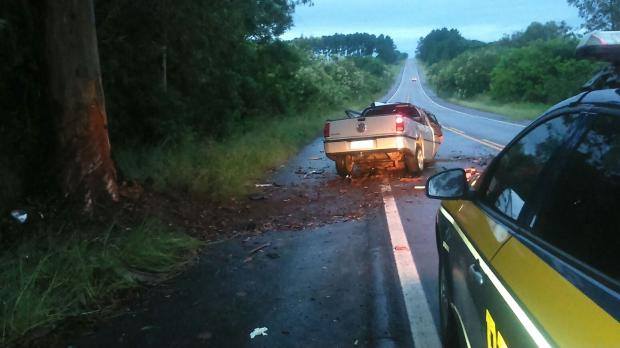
(530,251)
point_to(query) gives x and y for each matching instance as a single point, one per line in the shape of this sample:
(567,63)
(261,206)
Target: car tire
(415,163)
(344,166)
(448,328)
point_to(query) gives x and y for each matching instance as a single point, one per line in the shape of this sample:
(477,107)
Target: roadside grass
(219,170)
(515,111)
(56,276)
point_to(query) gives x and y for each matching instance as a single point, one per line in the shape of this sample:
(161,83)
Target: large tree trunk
(87,172)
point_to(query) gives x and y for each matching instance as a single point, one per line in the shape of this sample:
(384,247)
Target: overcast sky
(406,20)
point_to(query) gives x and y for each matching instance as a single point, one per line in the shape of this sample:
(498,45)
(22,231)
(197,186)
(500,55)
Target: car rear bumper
(398,143)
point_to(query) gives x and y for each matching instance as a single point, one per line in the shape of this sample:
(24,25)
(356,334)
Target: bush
(537,72)
(543,72)
(467,75)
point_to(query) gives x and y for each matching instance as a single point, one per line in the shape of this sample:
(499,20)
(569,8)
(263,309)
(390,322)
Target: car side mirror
(449,184)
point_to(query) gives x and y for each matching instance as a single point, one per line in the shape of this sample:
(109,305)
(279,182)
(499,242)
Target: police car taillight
(326,130)
(600,45)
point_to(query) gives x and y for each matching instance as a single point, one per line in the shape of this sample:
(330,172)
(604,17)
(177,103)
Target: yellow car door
(504,204)
(564,271)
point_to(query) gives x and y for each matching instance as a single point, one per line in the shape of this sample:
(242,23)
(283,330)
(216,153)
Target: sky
(407,20)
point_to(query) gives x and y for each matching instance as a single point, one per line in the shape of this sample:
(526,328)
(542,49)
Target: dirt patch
(320,198)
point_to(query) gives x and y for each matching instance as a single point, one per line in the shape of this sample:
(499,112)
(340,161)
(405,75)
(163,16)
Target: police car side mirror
(449,184)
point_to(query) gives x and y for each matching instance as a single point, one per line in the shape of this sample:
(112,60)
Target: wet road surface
(344,284)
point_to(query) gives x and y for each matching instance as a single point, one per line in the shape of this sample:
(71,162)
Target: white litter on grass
(19,215)
(259,331)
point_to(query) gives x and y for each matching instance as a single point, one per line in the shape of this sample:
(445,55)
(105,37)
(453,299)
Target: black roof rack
(606,78)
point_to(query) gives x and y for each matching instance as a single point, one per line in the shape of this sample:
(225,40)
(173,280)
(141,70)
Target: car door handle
(476,273)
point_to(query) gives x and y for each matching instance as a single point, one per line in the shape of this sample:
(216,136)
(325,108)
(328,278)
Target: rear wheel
(415,164)
(344,166)
(448,329)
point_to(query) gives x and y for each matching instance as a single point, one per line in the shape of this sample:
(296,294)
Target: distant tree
(357,45)
(599,14)
(537,31)
(87,173)
(443,44)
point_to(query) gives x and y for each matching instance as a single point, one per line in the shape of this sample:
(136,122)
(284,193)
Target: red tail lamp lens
(400,124)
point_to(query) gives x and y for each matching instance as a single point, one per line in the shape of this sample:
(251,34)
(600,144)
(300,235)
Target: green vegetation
(443,44)
(55,275)
(193,70)
(201,96)
(218,169)
(530,70)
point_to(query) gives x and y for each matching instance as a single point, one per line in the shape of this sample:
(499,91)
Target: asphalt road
(369,281)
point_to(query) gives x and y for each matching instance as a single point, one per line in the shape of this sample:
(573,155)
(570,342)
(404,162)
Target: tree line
(358,45)
(536,65)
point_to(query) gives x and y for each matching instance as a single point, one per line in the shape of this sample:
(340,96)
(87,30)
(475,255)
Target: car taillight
(400,124)
(326,130)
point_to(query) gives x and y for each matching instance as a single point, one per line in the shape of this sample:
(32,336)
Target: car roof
(603,97)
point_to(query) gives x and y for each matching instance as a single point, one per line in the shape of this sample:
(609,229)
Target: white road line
(421,324)
(402,77)
(494,146)
(492,142)
(460,112)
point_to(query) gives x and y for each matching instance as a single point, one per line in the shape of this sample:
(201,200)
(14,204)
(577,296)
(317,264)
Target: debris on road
(471,173)
(258,248)
(207,335)
(263,185)
(257,197)
(419,187)
(314,172)
(259,331)
(415,180)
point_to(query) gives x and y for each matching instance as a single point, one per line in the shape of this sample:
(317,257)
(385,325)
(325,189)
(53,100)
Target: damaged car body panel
(383,136)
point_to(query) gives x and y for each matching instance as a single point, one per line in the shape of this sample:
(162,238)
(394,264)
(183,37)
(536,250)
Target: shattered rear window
(402,109)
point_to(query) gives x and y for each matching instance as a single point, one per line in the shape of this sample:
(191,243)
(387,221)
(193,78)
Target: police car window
(511,185)
(580,216)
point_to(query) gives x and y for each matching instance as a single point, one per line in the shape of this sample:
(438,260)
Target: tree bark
(86,171)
